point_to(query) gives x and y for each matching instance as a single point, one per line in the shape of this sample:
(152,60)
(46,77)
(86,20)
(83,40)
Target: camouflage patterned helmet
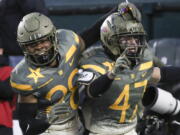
(32,29)
(115,27)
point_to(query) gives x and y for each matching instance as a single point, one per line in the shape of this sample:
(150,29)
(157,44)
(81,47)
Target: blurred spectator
(11,12)
(6,96)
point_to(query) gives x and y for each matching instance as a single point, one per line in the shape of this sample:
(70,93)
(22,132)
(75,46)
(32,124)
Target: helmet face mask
(130,45)
(123,36)
(41,51)
(30,49)
(35,29)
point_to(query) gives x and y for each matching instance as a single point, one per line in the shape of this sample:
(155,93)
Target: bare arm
(27,99)
(156,76)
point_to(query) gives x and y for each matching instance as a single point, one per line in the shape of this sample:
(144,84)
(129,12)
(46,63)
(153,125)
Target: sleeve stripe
(94,67)
(146,66)
(22,87)
(70,52)
(76,38)
(140,84)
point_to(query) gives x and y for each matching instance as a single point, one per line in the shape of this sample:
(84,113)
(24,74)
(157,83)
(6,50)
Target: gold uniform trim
(55,89)
(70,52)
(132,76)
(22,87)
(46,83)
(76,37)
(70,79)
(146,66)
(72,89)
(134,113)
(109,65)
(95,67)
(140,84)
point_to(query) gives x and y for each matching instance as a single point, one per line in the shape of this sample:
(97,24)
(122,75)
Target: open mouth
(132,50)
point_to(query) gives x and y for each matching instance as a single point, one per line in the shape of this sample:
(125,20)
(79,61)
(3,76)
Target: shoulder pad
(91,51)
(68,42)
(95,59)
(67,36)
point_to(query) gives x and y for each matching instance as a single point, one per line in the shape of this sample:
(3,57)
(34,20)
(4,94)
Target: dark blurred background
(161,18)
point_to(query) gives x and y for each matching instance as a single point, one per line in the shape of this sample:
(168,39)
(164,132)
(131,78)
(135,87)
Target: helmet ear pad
(33,28)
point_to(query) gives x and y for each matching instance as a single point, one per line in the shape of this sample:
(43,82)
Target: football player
(121,69)
(45,79)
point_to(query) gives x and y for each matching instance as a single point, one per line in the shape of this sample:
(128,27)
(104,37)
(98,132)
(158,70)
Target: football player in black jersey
(122,68)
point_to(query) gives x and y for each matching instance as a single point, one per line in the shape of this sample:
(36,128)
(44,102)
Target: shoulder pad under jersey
(92,51)
(95,59)
(68,41)
(26,79)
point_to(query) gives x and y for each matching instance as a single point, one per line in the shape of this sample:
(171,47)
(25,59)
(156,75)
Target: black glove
(28,123)
(153,125)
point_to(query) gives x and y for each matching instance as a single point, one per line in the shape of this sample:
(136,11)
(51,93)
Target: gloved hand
(60,112)
(121,64)
(153,125)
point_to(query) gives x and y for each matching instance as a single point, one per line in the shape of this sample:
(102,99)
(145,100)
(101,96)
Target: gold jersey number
(125,95)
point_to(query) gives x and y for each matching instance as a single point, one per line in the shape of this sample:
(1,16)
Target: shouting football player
(121,69)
